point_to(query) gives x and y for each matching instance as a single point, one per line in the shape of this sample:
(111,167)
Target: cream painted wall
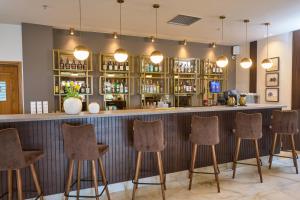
(11,42)
(242,75)
(279,46)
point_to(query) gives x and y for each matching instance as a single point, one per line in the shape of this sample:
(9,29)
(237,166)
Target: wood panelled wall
(253,69)
(119,161)
(296,71)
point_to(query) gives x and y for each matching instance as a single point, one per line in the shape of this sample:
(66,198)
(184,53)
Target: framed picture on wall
(272,94)
(276,65)
(272,79)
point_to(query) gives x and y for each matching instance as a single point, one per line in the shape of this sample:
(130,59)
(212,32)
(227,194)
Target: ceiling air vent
(184,20)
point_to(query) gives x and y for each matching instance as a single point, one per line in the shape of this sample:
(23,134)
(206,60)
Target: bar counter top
(131,112)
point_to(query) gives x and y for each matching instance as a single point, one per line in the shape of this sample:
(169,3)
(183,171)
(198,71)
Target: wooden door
(9,89)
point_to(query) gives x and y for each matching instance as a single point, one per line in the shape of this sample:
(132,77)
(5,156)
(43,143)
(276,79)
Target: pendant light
(80,52)
(156,56)
(267,62)
(222,61)
(120,54)
(246,62)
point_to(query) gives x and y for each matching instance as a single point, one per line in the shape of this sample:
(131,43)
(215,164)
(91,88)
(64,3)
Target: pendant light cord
(79,1)
(120,20)
(156,23)
(267,40)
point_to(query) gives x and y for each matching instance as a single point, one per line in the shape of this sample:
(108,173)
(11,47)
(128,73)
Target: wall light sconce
(184,42)
(115,35)
(72,31)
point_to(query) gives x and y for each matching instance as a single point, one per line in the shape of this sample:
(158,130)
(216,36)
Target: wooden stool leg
(78,179)
(258,160)
(10,184)
(236,156)
(294,152)
(103,175)
(94,174)
(215,166)
(137,172)
(193,161)
(19,184)
(161,173)
(69,179)
(36,181)
(272,150)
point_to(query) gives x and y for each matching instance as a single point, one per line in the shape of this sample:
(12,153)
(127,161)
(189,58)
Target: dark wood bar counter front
(114,128)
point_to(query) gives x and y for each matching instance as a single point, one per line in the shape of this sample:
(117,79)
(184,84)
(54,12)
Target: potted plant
(72,101)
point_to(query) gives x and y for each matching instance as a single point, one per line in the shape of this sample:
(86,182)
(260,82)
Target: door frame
(21,84)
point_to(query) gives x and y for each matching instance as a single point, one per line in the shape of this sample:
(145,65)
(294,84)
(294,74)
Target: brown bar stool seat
(13,158)
(284,123)
(80,145)
(205,131)
(149,137)
(248,127)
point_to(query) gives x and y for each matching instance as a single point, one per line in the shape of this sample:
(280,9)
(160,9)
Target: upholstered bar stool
(284,123)
(205,131)
(13,158)
(80,145)
(149,138)
(248,127)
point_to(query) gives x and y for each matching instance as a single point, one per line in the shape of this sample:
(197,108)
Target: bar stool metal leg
(258,160)
(78,178)
(69,180)
(161,174)
(294,152)
(104,180)
(94,174)
(36,181)
(215,166)
(19,184)
(274,140)
(137,172)
(193,161)
(10,184)
(236,156)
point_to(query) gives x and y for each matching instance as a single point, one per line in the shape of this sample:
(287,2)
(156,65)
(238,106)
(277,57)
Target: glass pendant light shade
(81,52)
(222,61)
(246,63)
(267,63)
(120,55)
(156,57)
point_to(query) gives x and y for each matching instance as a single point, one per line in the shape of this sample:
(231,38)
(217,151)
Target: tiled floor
(280,183)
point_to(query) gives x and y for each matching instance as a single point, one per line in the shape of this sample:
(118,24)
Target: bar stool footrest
(88,197)
(195,172)
(143,183)
(26,192)
(285,156)
(242,163)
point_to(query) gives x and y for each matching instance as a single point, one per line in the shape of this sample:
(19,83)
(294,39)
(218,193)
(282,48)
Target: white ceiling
(139,17)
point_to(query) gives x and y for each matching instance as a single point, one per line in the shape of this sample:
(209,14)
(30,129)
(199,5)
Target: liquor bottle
(110,65)
(85,65)
(56,89)
(109,87)
(176,88)
(154,88)
(104,67)
(125,88)
(181,88)
(121,88)
(121,67)
(67,64)
(150,68)
(83,89)
(194,88)
(113,87)
(157,87)
(160,68)
(156,68)
(127,65)
(116,68)
(79,65)
(117,87)
(61,63)
(87,90)
(73,65)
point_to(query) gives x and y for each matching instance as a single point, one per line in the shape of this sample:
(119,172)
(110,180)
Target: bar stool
(13,158)
(248,127)
(80,145)
(284,123)
(205,131)
(148,137)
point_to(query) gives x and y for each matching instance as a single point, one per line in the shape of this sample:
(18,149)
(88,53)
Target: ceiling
(139,17)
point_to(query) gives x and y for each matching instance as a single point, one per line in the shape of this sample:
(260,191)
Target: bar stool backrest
(80,142)
(285,122)
(148,136)
(205,130)
(248,126)
(11,154)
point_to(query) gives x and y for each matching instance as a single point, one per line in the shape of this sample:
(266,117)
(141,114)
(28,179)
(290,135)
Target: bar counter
(115,129)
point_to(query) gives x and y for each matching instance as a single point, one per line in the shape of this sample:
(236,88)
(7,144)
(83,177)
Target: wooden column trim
(296,71)
(253,69)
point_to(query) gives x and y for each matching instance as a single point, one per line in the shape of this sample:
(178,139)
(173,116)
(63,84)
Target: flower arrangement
(72,90)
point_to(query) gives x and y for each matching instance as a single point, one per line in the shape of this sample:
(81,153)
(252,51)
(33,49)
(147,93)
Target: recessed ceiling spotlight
(72,31)
(115,34)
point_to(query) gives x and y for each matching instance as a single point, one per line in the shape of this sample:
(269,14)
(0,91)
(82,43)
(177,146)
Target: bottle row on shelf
(151,87)
(212,68)
(115,87)
(184,67)
(72,64)
(188,86)
(150,68)
(115,66)
(62,88)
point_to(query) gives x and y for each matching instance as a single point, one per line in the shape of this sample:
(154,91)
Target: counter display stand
(67,68)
